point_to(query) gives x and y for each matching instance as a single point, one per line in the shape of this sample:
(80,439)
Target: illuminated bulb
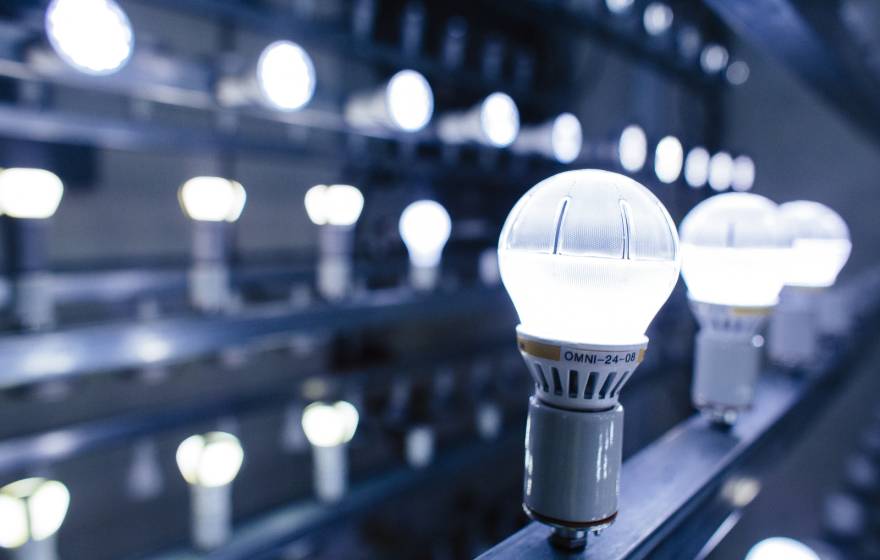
(329,427)
(733,249)
(31,194)
(494,123)
(720,171)
(212,199)
(781,548)
(209,463)
(657,18)
(618,6)
(405,103)
(282,79)
(820,248)
(560,139)
(588,258)
(737,73)
(632,148)
(335,209)
(425,227)
(713,58)
(696,167)
(92,36)
(32,510)
(743,176)
(668,159)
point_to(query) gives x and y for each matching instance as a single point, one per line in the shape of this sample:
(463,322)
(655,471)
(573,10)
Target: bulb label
(579,355)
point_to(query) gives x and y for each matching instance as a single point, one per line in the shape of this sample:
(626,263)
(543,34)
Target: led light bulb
(32,510)
(668,159)
(209,463)
(560,139)
(696,167)
(820,248)
(494,122)
(425,227)
(29,194)
(632,148)
(618,6)
(713,58)
(588,258)
(733,261)
(335,209)
(657,18)
(781,548)
(212,199)
(92,36)
(405,103)
(720,171)
(743,176)
(329,427)
(283,79)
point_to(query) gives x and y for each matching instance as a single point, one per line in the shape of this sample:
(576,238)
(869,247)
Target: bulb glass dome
(781,548)
(618,6)
(743,176)
(92,36)
(720,171)
(29,193)
(329,425)
(286,76)
(425,227)
(668,159)
(499,119)
(632,148)
(820,243)
(31,509)
(212,199)
(410,100)
(733,249)
(588,256)
(210,460)
(337,205)
(657,18)
(696,167)
(566,138)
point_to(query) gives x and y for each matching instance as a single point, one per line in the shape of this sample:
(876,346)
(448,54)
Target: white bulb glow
(657,18)
(743,177)
(632,148)
(210,460)
(585,245)
(425,227)
(93,36)
(781,548)
(737,73)
(286,76)
(330,425)
(337,205)
(566,138)
(820,243)
(713,58)
(32,509)
(410,100)
(618,6)
(696,167)
(212,199)
(733,249)
(499,119)
(720,171)
(29,193)
(668,159)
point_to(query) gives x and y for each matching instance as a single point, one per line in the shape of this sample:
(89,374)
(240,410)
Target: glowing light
(29,193)
(337,205)
(781,548)
(743,177)
(618,6)
(713,58)
(632,148)
(329,425)
(820,243)
(499,119)
(32,509)
(410,100)
(720,171)
(668,158)
(286,76)
(657,18)
(737,73)
(566,138)
(425,227)
(696,167)
(92,36)
(212,199)
(210,460)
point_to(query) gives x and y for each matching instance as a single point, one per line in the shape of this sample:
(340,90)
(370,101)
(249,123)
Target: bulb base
(793,333)
(33,301)
(46,549)
(424,278)
(834,314)
(726,369)
(211,515)
(330,472)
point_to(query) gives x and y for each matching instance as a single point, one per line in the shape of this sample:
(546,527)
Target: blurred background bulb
(657,18)
(410,100)
(499,118)
(29,193)
(820,243)
(336,205)
(632,148)
(93,36)
(32,509)
(330,425)
(210,460)
(567,138)
(286,76)
(720,171)
(713,58)
(781,548)
(425,227)
(618,6)
(212,199)
(668,159)
(696,167)
(743,175)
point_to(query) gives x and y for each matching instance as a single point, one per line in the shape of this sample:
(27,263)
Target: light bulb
(618,6)
(210,460)
(743,177)
(632,148)
(588,258)
(657,18)
(212,199)
(336,209)
(286,76)
(92,36)
(781,548)
(328,427)
(737,73)
(560,139)
(668,159)
(494,122)
(335,205)
(405,103)
(425,227)
(29,193)
(32,510)
(696,167)
(720,171)
(713,58)
(733,261)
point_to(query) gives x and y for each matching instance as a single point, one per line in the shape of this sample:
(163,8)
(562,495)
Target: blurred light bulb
(713,58)
(92,36)
(31,510)
(29,193)
(737,73)
(720,171)
(560,139)
(657,18)
(212,459)
(336,209)
(668,159)
(335,205)
(286,76)
(743,176)
(500,119)
(425,227)
(410,100)
(618,6)
(328,427)
(212,199)
(632,148)
(781,548)
(696,167)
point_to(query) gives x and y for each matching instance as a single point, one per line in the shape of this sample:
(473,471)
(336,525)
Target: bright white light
(632,148)
(668,158)
(743,174)
(720,171)
(733,249)
(410,100)
(571,272)
(212,199)
(425,227)
(286,75)
(737,73)
(567,138)
(781,548)
(210,460)
(618,6)
(92,36)
(31,509)
(329,425)
(29,193)
(820,243)
(337,205)
(713,58)
(499,119)
(657,18)
(696,167)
